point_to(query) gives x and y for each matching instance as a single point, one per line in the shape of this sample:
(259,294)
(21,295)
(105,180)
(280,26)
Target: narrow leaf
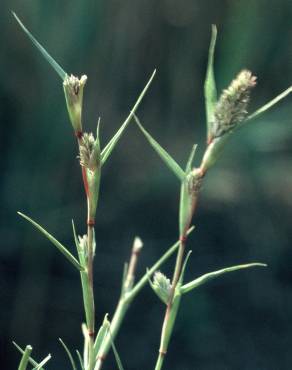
(114,140)
(31,360)
(42,50)
(210,84)
(80,359)
(269,105)
(69,354)
(56,243)
(42,363)
(86,344)
(182,274)
(102,333)
(117,357)
(82,258)
(167,159)
(191,158)
(25,358)
(211,275)
(143,281)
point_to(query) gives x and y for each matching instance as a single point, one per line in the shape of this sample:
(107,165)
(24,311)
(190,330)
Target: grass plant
(225,115)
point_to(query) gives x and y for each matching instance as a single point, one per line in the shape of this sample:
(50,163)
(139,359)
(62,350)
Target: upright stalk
(91,187)
(172,306)
(123,304)
(188,201)
(91,324)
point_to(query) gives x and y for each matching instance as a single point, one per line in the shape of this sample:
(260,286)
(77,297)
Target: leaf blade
(191,159)
(210,89)
(269,105)
(80,359)
(107,150)
(102,333)
(42,50)
(71,359)
(163,154)
(211,275)
(54,241)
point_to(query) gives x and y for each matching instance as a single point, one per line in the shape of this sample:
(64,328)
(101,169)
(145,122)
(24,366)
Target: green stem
(91,322)
(167,328)
(25,358)
(159,362)
(127,296)
(173,304)
(126,299)
(178,264)
(116,322)
(175,297)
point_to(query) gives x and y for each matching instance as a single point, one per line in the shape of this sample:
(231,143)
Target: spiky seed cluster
(83,241)
(231,108)
(73,89)
(74,84)
(88,154)
(194,181)
(162,286)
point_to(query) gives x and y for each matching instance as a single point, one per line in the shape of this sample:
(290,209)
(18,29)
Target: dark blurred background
(241,321)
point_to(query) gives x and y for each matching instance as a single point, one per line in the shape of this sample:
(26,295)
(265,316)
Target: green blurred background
(242,321)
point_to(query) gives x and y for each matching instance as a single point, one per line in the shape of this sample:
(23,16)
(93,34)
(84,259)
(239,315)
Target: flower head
(73,89)
(231,108)
(89,152)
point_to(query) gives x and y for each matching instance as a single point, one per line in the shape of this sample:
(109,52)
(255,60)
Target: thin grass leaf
(42,363)
(117,357)
(25,358)
(269,105)
(81,255)
(56,243)
(102,333)
(69,354)
(167,159)
(210,84)
(191,158)
(42,50)
(31,360)
(114,140)
(182,274)
(86,344)
(211,275)
(80,359)
(144,279)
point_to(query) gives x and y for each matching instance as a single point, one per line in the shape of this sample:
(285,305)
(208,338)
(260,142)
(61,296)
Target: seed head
(73,89)
(83,242)
(231,108)
(89,151)
(162,286)
(194,181)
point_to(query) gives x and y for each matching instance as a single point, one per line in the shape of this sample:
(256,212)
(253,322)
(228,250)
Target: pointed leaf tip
(41,49)
(210,89)
(107,150)
(214,274)
(163,154)
(54,241)
(71,359)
